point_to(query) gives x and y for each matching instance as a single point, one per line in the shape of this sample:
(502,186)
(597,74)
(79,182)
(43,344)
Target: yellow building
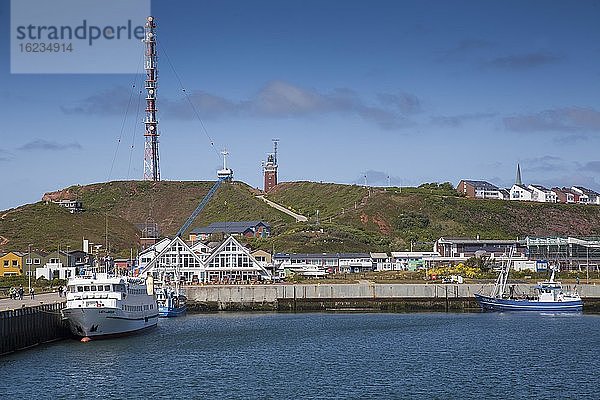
(11,264)
(262,256)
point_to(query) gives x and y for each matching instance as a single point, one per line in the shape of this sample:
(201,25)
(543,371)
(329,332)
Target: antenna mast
(151,162)
(275,143)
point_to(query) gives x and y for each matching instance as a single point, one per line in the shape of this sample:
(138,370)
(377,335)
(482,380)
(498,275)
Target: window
(80,288)
(37,261)
(119,288)
(86,288)
(107,288)
(93,288)
(6,263)
(15,263)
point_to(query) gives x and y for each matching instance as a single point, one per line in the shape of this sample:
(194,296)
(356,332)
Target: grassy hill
(392,218)
(351,218)
(122,205)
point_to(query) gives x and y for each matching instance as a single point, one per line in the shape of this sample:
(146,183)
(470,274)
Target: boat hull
(105,322)
(494,304)
(169,312)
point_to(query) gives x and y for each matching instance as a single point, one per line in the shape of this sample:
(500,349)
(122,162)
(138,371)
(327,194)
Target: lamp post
(587,265)
(29,265)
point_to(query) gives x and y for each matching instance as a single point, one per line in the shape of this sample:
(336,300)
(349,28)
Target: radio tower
(151,164)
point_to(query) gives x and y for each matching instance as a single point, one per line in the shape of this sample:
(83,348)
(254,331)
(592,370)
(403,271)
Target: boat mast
(500,286)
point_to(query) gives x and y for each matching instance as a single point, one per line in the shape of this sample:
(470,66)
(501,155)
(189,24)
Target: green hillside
(123,205)
(392,218)
(351,218)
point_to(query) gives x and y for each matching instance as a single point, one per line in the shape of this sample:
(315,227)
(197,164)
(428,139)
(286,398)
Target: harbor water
(322,355)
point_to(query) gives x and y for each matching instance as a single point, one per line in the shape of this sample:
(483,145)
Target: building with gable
(541,194)
(586,196)
(520,192)
(478,189)
(199,263)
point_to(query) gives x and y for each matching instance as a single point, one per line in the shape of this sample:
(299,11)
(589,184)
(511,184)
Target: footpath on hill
(298,217)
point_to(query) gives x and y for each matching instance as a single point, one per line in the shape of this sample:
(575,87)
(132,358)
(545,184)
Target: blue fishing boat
(171,303)
(549,296)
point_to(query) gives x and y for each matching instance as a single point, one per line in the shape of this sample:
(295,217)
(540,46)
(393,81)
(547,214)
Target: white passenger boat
(101,305)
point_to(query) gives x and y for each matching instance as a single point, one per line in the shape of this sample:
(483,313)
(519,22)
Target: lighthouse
(270,168)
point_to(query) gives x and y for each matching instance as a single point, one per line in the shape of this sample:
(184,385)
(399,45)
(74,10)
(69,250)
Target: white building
(232,262)
(586,196)
(55,270)
(520,192)
(354,262)
(382,262)
(412,260)
(541,194)
(200,264)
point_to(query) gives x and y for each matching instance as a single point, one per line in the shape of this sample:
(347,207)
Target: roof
(301,256)
(540,187)
(259,251)
(354,255)
(229,227)
(523,187)
(481,184)
(475,241)
(379,255)
(586,190)
(415,254)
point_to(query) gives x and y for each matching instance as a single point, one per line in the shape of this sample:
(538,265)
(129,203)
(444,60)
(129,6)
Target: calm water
(329,356)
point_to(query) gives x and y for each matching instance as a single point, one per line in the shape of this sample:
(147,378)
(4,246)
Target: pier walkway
(45,298)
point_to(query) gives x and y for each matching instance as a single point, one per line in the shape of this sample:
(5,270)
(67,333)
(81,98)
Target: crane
(190,220)
(200,207)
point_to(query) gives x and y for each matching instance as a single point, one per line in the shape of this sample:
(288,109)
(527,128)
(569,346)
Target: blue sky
(420,91)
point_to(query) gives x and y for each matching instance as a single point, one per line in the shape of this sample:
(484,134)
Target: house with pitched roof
(11,263)
(259,229)
(586,196)
(232,262)
(199,263)
(478,189)
(564,195)
(541,194)
(520,192)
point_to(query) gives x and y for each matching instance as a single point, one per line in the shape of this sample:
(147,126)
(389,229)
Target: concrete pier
(30,322)
(367,296)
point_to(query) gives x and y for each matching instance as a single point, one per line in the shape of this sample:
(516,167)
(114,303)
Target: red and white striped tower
(151,163)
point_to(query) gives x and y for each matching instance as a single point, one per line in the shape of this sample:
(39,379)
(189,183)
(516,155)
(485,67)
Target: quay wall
(26,327)
(376,297)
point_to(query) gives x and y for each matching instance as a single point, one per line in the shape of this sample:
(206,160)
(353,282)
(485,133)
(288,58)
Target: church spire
(518,180)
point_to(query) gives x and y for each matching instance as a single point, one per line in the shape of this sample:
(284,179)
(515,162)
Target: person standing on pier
(32,294)
(21,291)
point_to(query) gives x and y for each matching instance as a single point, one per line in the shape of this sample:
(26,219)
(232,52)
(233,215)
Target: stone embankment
(353,297)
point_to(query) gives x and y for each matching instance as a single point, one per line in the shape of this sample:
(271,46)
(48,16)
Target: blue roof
(301,256)
(481,184)
(230,227)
